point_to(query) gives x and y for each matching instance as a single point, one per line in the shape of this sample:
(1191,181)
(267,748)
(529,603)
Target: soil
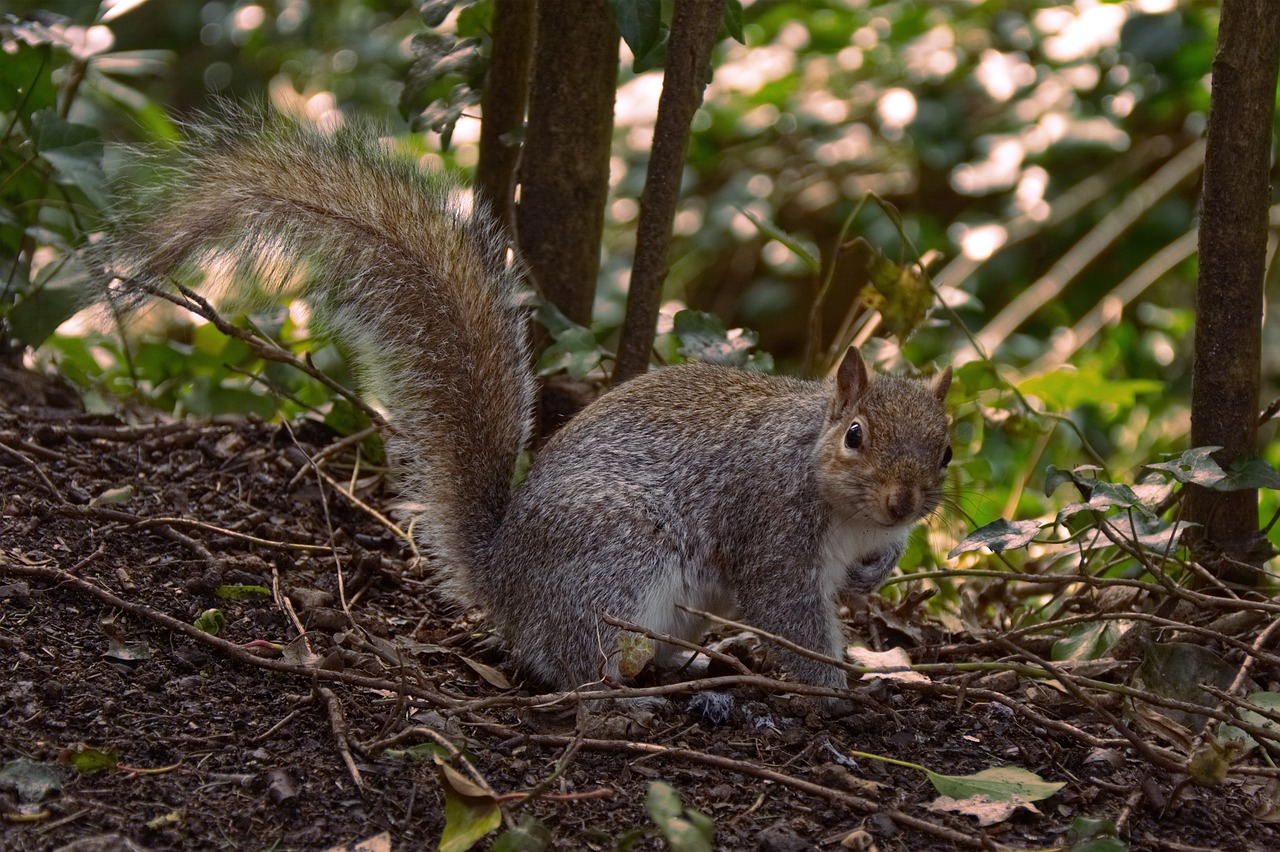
(117,534)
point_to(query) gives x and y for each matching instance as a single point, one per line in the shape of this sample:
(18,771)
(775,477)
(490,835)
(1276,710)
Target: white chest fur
(849,543)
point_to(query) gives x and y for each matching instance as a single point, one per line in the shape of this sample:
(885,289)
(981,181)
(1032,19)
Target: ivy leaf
(38,311)
(444,80)
(703,337)
(999,535)
(26,75)
(575,351)
(1249,472)
(1195,467)
(1266,700)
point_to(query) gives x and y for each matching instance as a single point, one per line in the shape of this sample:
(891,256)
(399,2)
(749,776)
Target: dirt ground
(117,535)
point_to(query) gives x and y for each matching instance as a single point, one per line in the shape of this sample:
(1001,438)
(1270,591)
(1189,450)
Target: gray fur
(719,489)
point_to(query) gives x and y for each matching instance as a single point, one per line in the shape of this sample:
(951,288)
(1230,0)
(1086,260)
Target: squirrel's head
(884,453)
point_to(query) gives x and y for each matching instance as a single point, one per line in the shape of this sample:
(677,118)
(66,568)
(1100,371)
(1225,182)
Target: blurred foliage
(1002,133)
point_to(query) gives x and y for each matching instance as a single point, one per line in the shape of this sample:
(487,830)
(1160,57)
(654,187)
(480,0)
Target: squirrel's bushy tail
(417,288)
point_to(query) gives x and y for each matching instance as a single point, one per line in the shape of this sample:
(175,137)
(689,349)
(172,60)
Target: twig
(742,767)
(1270,411)
(728,659)
(31,463)
(562,765)
(141,522)
(780,641)
(229,649)
(332,450)
(268,350)
(338,723)
(1068,683)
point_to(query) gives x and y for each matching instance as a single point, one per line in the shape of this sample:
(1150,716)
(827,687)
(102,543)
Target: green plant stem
(908,764)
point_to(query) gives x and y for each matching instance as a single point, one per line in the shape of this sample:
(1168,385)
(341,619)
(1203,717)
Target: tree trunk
(694,25)
(505,94)
(1233,242)
(564,170)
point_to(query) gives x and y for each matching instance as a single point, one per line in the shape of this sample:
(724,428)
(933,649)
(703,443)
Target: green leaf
(113,497)
(237,591)
(211,621)
(470,813)
(433,12)
(88,760)
(32,781)
(26,79)
(999,783)
(74,151)
(685,831)
(420,751)
(1249,472)
(1178,670)
(999,535)
(1266,700)
(1194,466)
(900,293)
(1094,835)
(575,351)
(38,313)
(528,835)
(1054,477)
(1089,641)
(733,21)
(703,337)
(801,250)
(640,23)
(1065,389)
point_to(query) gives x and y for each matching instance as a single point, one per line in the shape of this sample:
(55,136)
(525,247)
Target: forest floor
(321,713)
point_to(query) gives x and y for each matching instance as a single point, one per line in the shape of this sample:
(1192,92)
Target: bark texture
(564,172)
(505,94)
(694,26)
(1233,241)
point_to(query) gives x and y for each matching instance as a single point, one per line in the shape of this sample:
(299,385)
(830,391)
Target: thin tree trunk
(1233,242)
(505,94)
(694,26)
(564,171)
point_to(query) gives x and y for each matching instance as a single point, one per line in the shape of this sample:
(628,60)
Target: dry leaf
(893,658)
(989,811)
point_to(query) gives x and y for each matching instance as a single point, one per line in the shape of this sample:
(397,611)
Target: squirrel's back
(416,286)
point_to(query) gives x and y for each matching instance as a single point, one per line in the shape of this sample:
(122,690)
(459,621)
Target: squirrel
(719,489)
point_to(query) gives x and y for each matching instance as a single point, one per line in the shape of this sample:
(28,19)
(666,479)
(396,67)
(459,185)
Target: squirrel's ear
(940,384)
(852,378)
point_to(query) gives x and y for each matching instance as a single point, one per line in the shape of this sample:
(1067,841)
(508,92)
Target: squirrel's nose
(901,503)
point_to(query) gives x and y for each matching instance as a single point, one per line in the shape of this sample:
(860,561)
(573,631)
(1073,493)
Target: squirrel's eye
(946,456)
(853,437)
